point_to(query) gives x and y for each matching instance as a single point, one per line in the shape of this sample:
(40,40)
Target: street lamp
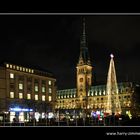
(67,117)
(75,116)
(46,117)
(4,117)
(58,116)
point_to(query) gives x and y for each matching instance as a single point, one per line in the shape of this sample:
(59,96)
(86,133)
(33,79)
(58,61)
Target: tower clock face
(81,80)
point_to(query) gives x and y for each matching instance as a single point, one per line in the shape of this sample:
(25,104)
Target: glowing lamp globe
(111,55)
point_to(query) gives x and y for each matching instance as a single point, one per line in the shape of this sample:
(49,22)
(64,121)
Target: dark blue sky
(53,42)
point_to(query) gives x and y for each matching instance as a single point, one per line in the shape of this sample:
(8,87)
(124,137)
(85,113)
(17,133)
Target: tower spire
(84,69)
(84,54)
(83,40)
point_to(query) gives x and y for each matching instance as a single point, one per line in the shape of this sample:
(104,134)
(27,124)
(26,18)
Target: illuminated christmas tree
(113,103)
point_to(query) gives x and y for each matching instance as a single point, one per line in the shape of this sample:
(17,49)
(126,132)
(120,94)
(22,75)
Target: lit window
(104,92)
(50,98)
(26,70)
(36,88)
(20,68)
(50,90)
(74,96)
(100,93)
(81,79)
(11,75)
(29,70)
(32,71)
(14,67)
(96,93)
(64,96)
(43,89)
(43,97)
(11,94)
(50,82)
(36,97)
(68,96)
(20,86)
(23,69)
(28,96)
(17,67)
(11,66)
(20,95)
(7,65)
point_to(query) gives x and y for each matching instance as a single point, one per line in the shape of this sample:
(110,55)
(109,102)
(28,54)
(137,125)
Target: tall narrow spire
(83,39)
(84,69)
(84,54)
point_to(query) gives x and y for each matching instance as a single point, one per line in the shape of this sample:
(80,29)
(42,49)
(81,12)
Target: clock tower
(84,69)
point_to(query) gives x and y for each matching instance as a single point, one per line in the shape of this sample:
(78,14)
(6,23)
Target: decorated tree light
(113,102)
(111,55)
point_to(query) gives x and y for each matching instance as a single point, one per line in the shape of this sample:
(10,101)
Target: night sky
(52,42)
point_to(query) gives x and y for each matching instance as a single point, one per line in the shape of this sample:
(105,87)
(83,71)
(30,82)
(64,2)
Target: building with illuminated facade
(26,93)
(87,97)
(96,98)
